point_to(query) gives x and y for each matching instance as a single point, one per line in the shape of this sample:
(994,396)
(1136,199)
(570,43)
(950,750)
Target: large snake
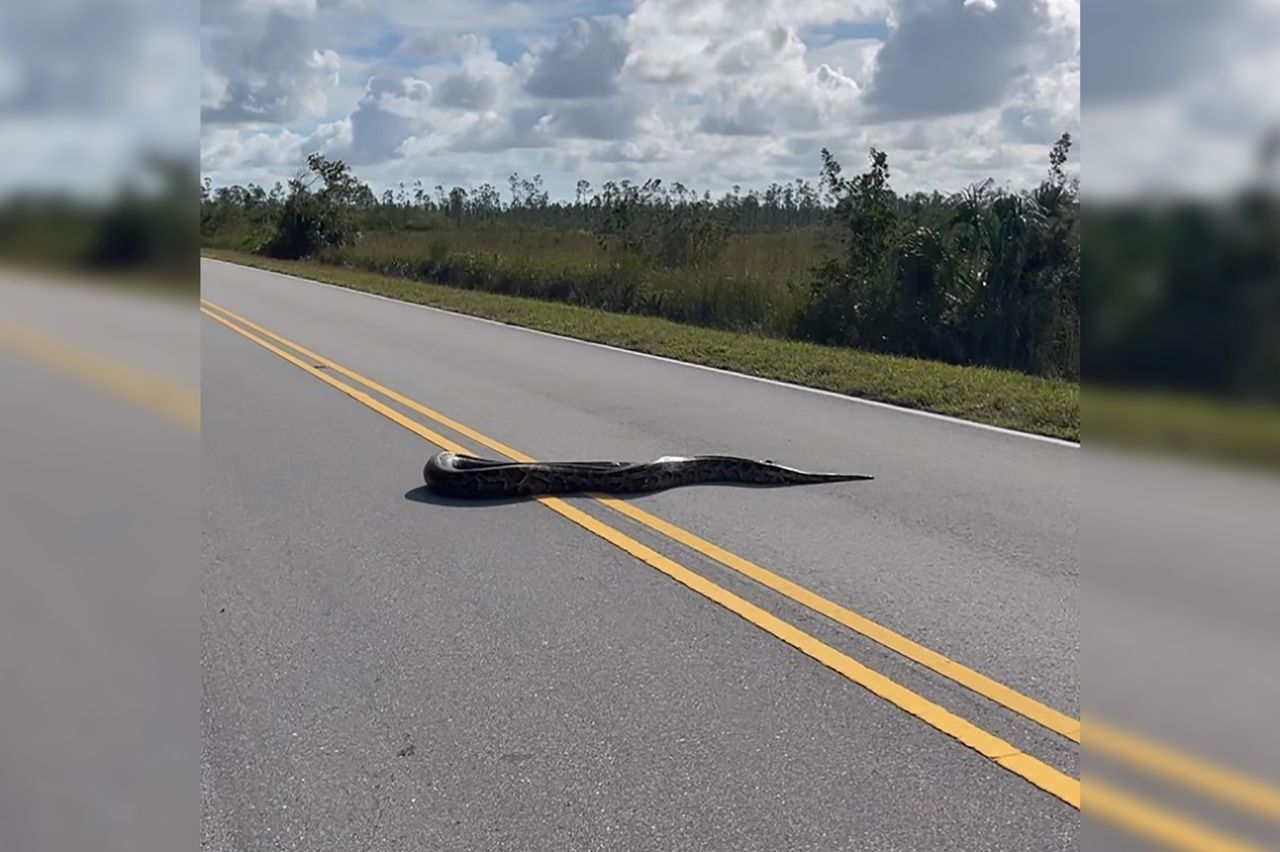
(476,478)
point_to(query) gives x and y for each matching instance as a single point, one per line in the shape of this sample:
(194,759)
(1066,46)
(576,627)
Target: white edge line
(946,418)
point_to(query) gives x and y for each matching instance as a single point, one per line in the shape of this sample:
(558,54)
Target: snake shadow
(424,494)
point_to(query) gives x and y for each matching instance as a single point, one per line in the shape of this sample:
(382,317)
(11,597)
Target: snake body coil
(476,478)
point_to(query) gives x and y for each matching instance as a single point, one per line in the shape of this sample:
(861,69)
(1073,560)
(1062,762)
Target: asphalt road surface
(383,669)
(99,525)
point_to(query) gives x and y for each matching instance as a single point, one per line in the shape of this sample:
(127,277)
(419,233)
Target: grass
(996,397)
(757,283)
(157,280)
(1198,427)
(774,257)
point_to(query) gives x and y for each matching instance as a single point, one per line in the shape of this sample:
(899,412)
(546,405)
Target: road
(387,670)
(99,526)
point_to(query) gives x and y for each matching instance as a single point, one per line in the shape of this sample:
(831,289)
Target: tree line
(986,276)
(798,204)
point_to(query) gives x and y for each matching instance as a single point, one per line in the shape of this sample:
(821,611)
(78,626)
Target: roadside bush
(319,210)
(985,276)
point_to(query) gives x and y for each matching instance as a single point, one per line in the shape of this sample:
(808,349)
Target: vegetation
(319,211)
(998,397)
(984,277)
(1186,297)
(1186,424)
(143,236)
(1182,326)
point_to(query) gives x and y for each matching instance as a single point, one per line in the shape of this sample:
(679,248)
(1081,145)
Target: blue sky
(707,92)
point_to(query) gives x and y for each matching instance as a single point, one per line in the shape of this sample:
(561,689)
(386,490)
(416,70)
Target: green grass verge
(997,397)
(1184,425)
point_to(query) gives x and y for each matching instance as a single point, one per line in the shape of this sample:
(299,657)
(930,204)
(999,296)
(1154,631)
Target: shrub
(318,213)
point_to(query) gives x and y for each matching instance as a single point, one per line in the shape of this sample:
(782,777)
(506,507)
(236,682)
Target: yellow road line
(1231,788)
(358,395)
(155,395)
(993,690)
(1133,814)
(1227,787)
(993,748)
(1024,706)
(1157,825)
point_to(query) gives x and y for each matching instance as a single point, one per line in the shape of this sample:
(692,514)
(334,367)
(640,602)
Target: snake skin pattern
(476,478)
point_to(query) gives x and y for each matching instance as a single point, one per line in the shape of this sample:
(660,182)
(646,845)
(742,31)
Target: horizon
(501,184)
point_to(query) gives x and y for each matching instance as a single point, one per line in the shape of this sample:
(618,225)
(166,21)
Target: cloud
(229,147)
(491,132)
(467,91)
(584,62)
(261,61)
(102,57)
(1198,78)
(681,41)
(977,89)
(1031,124)
(438,44)
(613,118)
(757,49)
(480,80)
(392,110)
(1044,107)
(86,88)
(648,150)
(767,87)
(330,138)
(945,58)
(542,126)
(1142,48)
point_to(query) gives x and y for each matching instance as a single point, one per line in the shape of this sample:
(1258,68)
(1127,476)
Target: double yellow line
(160,397)
(1139,817)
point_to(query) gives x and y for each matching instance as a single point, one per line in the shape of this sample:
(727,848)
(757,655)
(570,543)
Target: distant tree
(318,212)
(457,204)
(849,301)
(982,276)
(1058,158)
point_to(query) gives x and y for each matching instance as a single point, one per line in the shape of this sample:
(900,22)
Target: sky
(87,86)
(711,93)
